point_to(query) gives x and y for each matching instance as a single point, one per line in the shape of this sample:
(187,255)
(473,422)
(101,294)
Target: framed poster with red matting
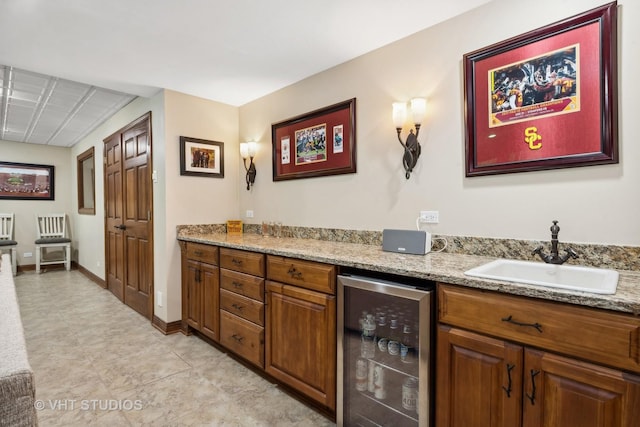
(546,99)
(319,143)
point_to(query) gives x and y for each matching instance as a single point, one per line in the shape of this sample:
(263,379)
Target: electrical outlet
(159,299)
(27,255)
(249,214)
(430,217)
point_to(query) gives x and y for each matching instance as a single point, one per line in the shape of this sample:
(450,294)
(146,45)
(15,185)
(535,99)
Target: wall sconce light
(411,146)
(248,149)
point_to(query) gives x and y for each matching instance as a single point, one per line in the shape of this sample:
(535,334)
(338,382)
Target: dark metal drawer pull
(532,396)
(237,307)
(236,261)
(295,274)
(237,285)
(238,338)
(536,325)
(198,253)
(507,389)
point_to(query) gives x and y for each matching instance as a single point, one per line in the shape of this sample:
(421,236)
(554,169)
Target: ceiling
(105,53)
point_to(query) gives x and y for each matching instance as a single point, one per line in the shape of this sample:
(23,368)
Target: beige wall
(190,199)
(25,210)
(593,204)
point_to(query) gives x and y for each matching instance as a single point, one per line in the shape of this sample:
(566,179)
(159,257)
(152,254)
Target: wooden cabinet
(200,289)
(286,326)
(562,392)
(242,303)
(511,374)
(471,371)
(301,327)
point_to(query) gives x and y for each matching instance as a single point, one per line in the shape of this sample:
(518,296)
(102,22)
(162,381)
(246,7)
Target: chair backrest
(51,225)
(6,226)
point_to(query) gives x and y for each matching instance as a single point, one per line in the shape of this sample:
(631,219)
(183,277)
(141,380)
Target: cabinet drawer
(605,337)
(242,337)
(243,284)
(244,307)
(243,261)
(306,274)
(204,253)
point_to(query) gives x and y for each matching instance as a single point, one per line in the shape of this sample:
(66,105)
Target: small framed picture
(199,157)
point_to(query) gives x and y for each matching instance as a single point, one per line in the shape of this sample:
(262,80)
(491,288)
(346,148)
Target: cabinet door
(562,392)
(301,341)
(210,285)
(479,380)
(193,294)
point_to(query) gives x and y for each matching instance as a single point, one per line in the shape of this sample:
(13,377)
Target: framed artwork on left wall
(200,157)
(26,181)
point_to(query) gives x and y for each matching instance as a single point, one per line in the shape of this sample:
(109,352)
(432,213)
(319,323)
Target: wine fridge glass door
(384,340)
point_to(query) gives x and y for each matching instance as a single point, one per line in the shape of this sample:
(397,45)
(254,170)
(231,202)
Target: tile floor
(97,362)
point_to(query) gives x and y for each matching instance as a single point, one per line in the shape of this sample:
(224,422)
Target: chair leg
(14,261)
(67,260)
(38,259)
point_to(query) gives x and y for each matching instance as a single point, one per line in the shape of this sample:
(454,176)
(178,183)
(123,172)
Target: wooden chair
(6,239)
(51,235)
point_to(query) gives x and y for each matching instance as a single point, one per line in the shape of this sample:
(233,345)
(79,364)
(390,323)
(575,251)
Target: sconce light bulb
(252,148)
(399,114)
(244,150)
(418,110)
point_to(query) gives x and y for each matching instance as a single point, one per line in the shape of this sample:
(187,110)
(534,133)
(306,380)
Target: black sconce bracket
(251,172)
(411,150)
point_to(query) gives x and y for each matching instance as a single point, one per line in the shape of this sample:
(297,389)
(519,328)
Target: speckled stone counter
(441,267)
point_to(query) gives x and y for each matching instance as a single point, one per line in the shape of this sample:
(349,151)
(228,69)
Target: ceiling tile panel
(64,138)
(24,95)
(43,109)
(19,116)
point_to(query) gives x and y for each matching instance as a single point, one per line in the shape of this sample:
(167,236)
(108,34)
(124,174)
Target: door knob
(121,227)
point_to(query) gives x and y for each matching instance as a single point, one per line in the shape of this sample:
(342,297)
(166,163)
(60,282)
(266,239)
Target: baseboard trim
(49,267)
(166,328)
(28,267)
(100,282)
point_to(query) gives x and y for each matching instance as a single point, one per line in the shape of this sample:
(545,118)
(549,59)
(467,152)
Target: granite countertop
(441,267)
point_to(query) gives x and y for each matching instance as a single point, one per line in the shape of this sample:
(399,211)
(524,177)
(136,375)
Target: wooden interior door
(138,250)
(114,249)
(129,225)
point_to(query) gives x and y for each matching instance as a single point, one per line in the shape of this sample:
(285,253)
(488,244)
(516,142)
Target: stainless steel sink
(586,279)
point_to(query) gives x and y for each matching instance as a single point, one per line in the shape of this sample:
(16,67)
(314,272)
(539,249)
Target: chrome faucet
(553,257)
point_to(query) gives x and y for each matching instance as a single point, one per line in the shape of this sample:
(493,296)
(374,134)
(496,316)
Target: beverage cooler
(385,330)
